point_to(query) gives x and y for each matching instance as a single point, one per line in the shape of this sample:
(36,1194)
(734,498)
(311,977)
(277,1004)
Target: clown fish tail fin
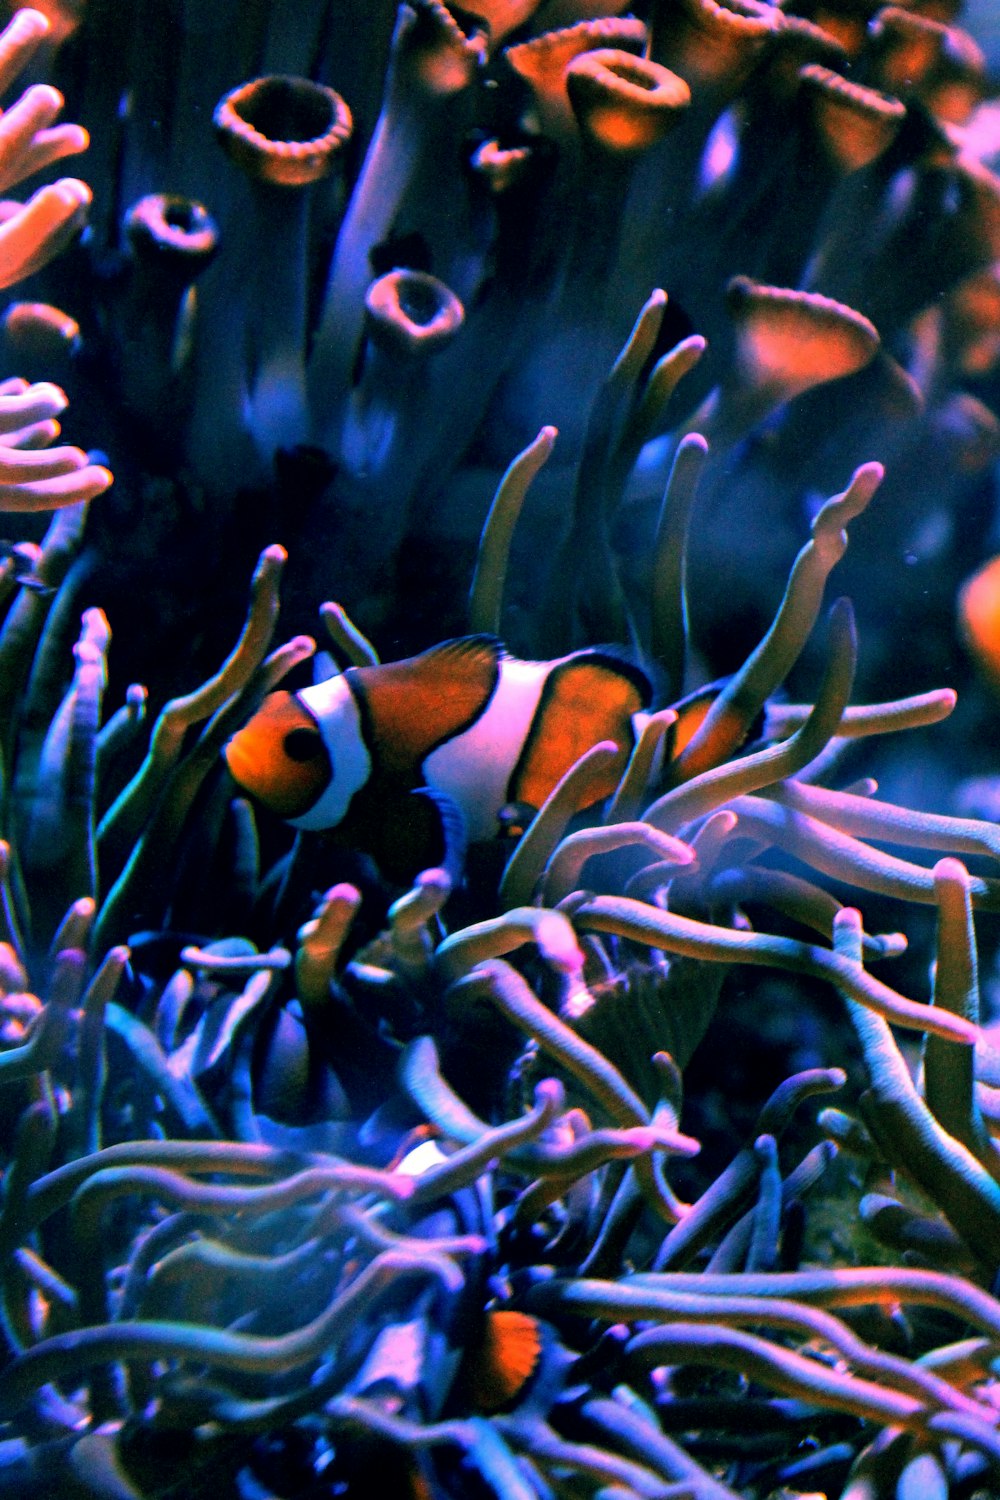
(692,711)
(505,1359)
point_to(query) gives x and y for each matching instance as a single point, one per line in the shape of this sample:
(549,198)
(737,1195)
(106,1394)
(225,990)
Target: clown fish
(386,755)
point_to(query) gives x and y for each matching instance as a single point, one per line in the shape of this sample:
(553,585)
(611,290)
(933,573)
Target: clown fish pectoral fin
(406,830)
(693,709)
(452,830)
(710,726)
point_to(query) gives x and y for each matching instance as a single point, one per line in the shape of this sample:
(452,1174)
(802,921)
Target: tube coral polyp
(802,206)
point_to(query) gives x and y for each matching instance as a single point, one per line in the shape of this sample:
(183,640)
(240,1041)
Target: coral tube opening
(284,131)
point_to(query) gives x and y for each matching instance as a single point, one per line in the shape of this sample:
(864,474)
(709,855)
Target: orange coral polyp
(709,42)
(501,167)
(854,124)
(177,228)
(544,61)
(282,130)
(791,340)
(501,16)
(444,56)
(927,59)
(412,312)
(624,103)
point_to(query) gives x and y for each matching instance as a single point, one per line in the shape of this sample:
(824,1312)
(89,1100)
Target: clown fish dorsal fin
(505,1359)
(588,697)
(410,707)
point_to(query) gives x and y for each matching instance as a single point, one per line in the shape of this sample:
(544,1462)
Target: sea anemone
(259,1189)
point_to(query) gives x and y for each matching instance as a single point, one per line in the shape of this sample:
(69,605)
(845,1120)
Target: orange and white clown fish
(382,754)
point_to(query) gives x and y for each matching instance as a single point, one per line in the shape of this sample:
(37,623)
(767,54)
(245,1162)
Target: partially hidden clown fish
(398,757)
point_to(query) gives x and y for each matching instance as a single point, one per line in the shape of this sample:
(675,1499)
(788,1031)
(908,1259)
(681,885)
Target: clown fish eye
(302,745)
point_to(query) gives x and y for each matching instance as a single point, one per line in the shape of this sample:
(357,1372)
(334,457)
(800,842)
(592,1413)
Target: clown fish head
(303,755)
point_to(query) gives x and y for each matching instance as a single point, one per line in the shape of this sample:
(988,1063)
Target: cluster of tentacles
(264,1190)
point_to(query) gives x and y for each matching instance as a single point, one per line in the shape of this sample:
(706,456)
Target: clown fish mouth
(280,758)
